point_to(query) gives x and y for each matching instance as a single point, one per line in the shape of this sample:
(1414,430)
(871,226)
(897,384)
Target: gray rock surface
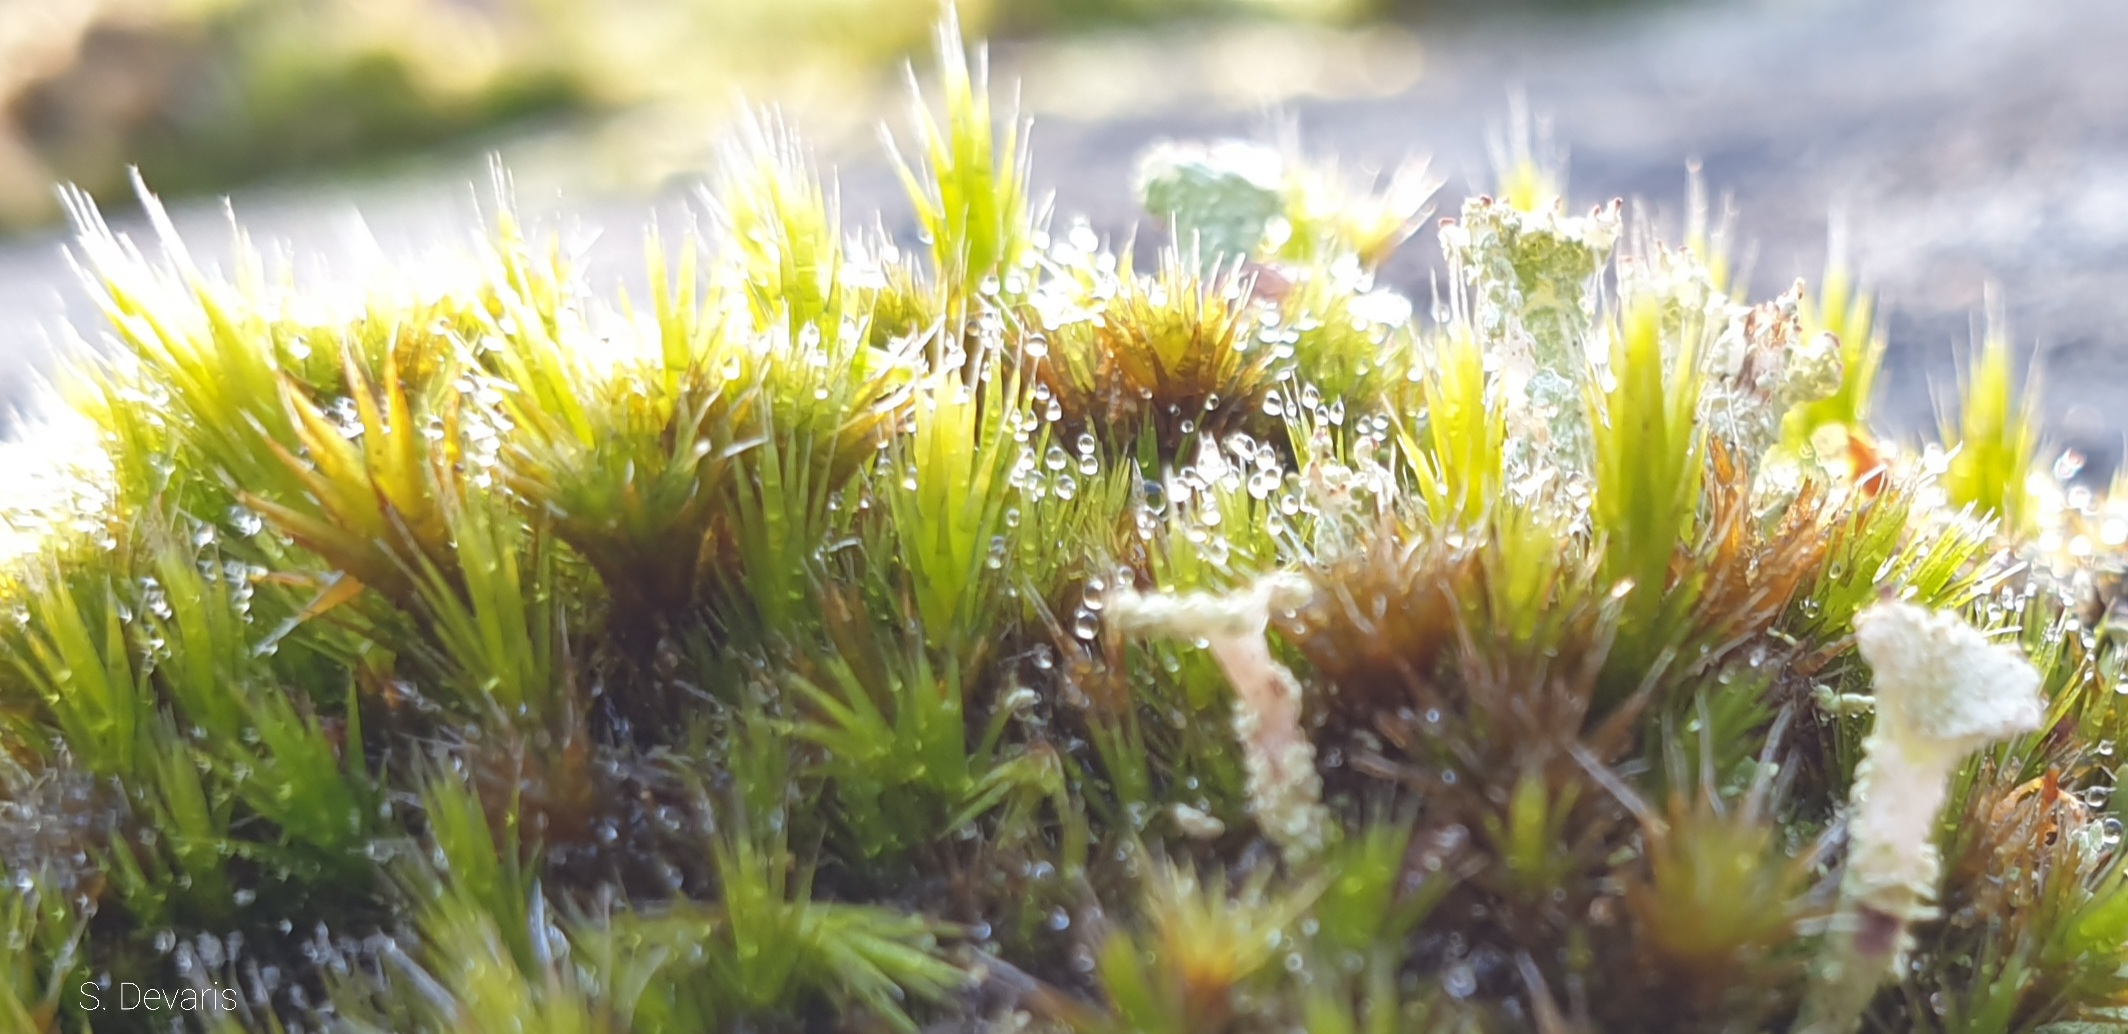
(1969,145)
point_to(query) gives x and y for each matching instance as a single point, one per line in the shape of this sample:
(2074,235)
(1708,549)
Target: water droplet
(1085,625)
(1459,980)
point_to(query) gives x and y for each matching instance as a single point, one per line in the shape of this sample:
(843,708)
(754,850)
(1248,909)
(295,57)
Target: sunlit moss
(1018,639)
(1995,439)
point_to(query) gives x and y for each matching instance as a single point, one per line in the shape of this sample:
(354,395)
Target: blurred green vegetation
(203,95)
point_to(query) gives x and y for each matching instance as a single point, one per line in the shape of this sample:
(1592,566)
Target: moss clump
(1013,640)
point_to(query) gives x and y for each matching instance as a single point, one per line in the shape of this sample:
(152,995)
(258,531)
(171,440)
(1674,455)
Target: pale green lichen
(1231,200)
(1220,199)
(1532,276)
(1760,367)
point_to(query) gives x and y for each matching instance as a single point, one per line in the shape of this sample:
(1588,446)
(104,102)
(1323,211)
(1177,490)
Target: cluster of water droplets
(1049,464)
(56,479)
(50,823)
(484,427)
(1079,279)
(2081,545)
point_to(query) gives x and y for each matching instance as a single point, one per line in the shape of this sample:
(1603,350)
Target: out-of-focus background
(1963,146)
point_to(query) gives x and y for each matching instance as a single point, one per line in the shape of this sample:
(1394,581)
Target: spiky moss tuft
(1005,638)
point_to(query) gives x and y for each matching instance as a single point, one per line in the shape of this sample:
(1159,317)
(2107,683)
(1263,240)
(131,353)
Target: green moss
(1015,640)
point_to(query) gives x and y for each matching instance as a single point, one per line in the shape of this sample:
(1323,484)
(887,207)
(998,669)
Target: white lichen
(1943,691)
(1761,367)
(1689,299)
(1757,362)
(1196,823)
(1285,791)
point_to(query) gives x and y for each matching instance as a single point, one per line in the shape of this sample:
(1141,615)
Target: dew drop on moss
(1085,625)
(1459,981)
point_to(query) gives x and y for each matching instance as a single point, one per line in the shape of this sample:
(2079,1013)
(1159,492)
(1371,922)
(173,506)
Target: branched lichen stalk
(1285,791)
